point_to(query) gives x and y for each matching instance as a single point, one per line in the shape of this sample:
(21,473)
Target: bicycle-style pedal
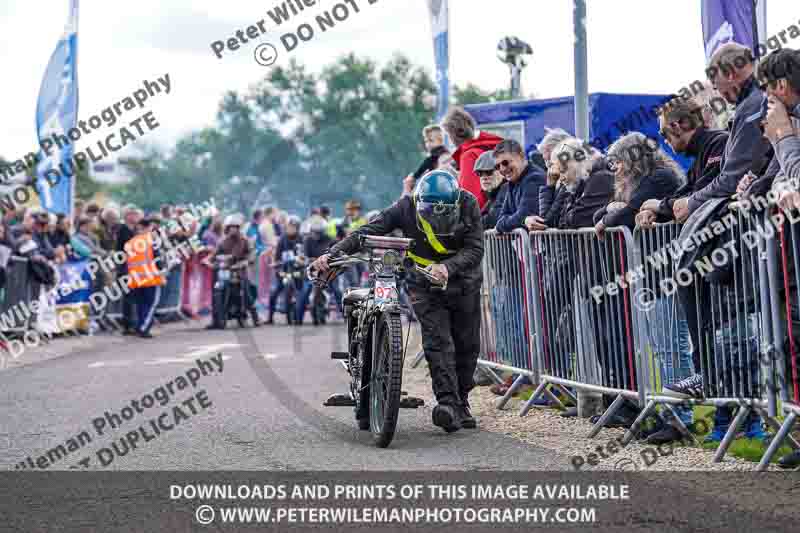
(340,355)
(339,400)
(410,402)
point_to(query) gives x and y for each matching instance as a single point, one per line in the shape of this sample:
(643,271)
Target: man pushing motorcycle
(445,224)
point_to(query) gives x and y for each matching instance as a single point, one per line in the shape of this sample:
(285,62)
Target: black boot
(465,417)
(791,460)
(254,316)
(446,417)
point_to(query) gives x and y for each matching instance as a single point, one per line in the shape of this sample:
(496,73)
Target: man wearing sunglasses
(524,180)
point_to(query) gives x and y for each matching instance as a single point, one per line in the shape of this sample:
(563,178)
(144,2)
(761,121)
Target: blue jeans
(730,345)
(668,336)
(509,326)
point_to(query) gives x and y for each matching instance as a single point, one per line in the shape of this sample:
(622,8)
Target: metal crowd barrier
(783,253)
(585,340)
(172,294)
(726,291)
(506,340)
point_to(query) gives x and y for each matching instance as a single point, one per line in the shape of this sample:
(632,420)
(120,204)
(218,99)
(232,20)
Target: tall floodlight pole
(581,72)
(512,52)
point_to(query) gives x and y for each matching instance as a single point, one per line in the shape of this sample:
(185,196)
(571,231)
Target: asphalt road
(266,411)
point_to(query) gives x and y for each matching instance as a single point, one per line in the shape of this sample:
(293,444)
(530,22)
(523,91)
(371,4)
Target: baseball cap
(485,163)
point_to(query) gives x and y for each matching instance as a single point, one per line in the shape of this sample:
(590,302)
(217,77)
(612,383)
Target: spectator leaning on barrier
(40,221)
(683,125)
(494,186)
(731,70)
(109,227)
(471,143)
(84,242)
(779,74)
(145,279)
(61,235)
(643,171)
(552,138)
(524,179)
(586,186)
(747,163)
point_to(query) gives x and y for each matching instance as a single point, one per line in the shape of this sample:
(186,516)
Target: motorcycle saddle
(354,296)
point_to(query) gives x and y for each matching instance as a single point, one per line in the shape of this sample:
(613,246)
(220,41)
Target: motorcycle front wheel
(387,379)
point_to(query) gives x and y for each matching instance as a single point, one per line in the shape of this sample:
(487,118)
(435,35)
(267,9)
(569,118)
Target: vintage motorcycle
(230,290)
(291,271)
(375,353)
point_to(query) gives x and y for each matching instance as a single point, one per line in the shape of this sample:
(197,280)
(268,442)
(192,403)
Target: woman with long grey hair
(642,171)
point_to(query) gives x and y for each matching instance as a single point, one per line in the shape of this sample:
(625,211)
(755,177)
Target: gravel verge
(568,436)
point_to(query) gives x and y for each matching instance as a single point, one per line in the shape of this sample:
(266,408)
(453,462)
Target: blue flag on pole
(56,114)
(440,24)
(727,21)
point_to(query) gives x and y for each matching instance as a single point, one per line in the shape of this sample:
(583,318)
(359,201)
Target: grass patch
(747,449)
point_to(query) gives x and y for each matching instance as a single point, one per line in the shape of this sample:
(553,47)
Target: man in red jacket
(472,143)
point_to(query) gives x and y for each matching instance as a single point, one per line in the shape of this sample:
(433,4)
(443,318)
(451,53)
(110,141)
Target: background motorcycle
(230,291)
(291,271)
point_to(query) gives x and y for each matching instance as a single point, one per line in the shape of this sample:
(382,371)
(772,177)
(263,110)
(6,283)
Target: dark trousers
(450,323)
(146,299)
(128,302)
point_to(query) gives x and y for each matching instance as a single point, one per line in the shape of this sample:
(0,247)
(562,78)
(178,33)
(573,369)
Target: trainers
(691,387)
(716,435)
(755,430)
(791,460)
(444,416)
(465,418)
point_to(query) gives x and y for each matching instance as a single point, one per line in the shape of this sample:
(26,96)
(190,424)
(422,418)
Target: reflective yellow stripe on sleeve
(420,260)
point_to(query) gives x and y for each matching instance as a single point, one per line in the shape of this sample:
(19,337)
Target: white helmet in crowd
(234,220)
(317,225)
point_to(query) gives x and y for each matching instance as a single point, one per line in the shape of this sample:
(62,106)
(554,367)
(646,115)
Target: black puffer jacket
(466,244)
(494,205)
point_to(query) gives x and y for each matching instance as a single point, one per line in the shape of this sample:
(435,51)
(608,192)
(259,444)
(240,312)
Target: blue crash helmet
(437,199)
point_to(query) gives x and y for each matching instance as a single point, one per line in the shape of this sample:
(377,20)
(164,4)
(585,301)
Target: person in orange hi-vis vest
(145,279)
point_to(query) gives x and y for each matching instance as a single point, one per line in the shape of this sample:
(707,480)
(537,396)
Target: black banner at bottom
(398,501)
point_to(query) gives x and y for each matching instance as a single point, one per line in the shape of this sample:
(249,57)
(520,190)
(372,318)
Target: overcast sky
(635,46)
